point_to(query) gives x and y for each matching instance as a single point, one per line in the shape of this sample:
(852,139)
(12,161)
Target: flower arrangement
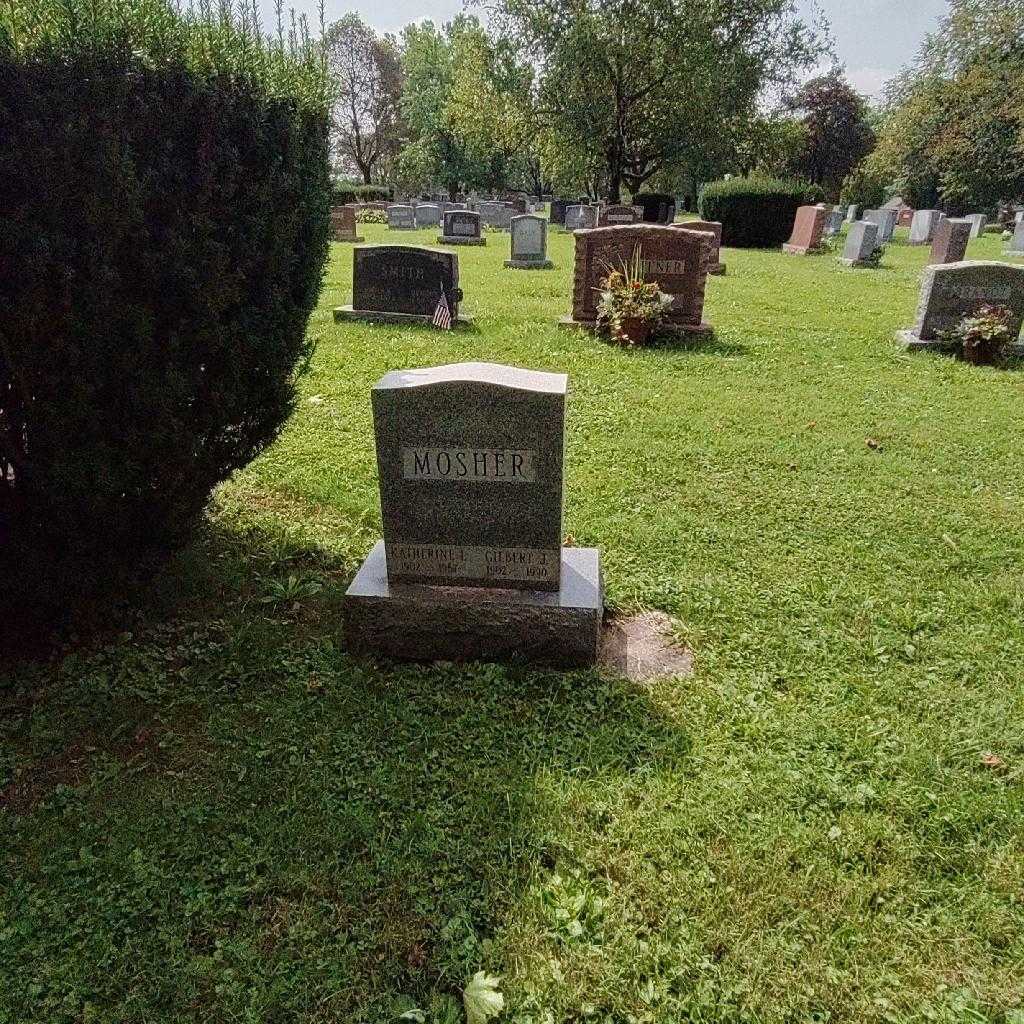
(982,337)
(630,308)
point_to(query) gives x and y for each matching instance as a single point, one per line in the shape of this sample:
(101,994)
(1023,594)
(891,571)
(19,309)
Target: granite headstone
(922,227)
(461,227)
(715,265)
(343,224)
(529,243)
(949,245)
(861,242)
(401,217)
(808,227)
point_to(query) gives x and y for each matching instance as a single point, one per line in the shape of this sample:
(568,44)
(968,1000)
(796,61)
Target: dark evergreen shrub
(755,213)
(164,199)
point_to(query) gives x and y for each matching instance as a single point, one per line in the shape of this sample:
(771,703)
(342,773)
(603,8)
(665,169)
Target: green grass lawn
(213,813)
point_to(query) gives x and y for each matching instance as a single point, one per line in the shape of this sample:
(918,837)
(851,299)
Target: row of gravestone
(408,283)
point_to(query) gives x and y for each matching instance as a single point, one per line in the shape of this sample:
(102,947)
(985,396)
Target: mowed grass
(214,813)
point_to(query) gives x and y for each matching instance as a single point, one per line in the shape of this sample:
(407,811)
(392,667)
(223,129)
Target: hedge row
(164,198)
(755,213)
(343,193)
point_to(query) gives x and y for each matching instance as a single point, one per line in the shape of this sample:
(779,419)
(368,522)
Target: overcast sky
(874,38)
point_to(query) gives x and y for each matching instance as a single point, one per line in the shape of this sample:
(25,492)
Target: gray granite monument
(472,567)
(529,243)
(978,222)
(428,215)
(580,216)
(861,242)
(952,291)
(461,227)
(496,215)
(401,217)
(851,213)
(1017,242)
(922,227)
(886,221)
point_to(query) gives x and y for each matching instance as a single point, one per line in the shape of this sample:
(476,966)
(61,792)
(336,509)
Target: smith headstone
(401,284)
(470,459)
(957,290)
(529,243)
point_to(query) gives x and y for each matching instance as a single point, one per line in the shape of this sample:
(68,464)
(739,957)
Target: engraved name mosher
(469,465)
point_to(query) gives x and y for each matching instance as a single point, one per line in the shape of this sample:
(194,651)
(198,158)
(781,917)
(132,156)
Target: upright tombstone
(471,568)
(402,284)
(496,215)
(461,227)
(978,222)
(861,242)
(658,207)
(343,224)
(833,222)
(851,213)
(950,242)
(619,214)
(955,290)
(676,260)
(401,217)
(556,213)
(1019,217)
(1017,242)
(520,204)
(885,218)
(922,227)
(428,215)
(578,217)
(529,243)
(713,227)
(808,227)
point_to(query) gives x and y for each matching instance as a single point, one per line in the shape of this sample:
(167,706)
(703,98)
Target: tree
(367,77)
(953,132)
(836,133)
(655,83)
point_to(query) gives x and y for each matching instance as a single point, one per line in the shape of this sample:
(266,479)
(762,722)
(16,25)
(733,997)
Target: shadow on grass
(264,820)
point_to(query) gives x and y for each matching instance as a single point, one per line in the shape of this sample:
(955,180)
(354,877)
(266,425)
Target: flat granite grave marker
(713,227)
(861,242)
(1017,242)
(461,227)
(808,227)
(529,243)
(343,224)
(922,227)
(402,284)
(620,215)
(401,217)
(677,260)
(471,567)
(952,291)
(950,242)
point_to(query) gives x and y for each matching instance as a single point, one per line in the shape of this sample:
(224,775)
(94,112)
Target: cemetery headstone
(922,227)
(978,222)
(343,224)
(950,242)
(851,213)
(556,214)
(1017,242)
(579,217)
(715,265)
(471,464)
(620,215)
(833,222)
(520,204)
(808,228)
(401,218)
(461,227)
(496,215)
(677,260)
(885,218)
(952,291)
(529,243)
(402,284)
(428,215)
(861,242)
(658,207)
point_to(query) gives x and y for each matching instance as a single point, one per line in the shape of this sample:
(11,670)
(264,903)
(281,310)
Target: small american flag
(442,315)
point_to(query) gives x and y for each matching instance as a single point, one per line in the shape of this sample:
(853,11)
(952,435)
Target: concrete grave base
(458,240)
(529,264)
(413,622)
(371,316)
(700,330)
(912,343)
(799,250)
